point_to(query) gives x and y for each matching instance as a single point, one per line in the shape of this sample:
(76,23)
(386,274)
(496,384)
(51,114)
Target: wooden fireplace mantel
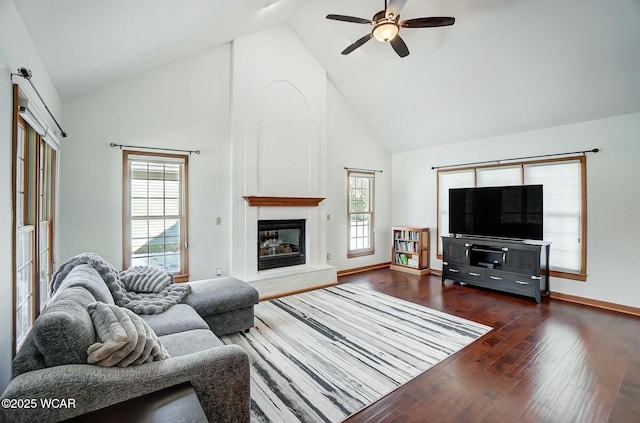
(260,201)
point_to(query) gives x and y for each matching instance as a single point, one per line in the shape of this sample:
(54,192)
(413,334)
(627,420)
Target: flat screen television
(501,212)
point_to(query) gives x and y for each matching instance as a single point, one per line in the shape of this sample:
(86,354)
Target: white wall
(184,105)
(16,50)
(613,202)
(6,248)
(351,144)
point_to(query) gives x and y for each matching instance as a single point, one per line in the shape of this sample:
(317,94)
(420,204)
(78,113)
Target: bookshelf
(410,250)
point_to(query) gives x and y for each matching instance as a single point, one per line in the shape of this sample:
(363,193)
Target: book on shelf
(409,246)
(407,235)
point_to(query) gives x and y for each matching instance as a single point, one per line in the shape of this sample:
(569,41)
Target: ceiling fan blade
(399,46)
(357,43)
(350,19)
(427,22)
(395,7)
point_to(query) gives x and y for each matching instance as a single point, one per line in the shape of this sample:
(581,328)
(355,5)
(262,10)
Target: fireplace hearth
(281,243)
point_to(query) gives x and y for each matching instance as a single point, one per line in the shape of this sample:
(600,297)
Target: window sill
(581,277)
(181,278)
(361,253)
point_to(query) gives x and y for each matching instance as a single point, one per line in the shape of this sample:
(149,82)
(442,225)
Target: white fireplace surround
(273,282)
(279,150)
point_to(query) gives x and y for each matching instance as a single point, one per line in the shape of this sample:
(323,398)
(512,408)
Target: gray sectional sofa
(52,362)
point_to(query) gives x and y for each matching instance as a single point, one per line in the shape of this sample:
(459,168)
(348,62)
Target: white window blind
(562,211)
(499,176)
(34,116)
(446,181)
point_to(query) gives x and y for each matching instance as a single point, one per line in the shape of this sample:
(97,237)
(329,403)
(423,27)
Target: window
(446,181)
(360,213)
(562,211)
(45,202)
(564,184)
(34,164)
(155,210)
(25,233)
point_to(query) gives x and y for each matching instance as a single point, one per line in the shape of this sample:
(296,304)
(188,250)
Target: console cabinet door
(455,251)
(522,261)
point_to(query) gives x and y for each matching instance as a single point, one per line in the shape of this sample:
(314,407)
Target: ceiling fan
(386,25)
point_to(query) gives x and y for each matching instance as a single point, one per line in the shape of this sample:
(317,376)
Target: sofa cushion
(178,318)
(64,330)
(123,338)
(183,343)
(27,359)
(85,276)
(216,296)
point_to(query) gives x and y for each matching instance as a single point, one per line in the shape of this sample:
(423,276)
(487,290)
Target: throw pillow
(145,279)
(123,338)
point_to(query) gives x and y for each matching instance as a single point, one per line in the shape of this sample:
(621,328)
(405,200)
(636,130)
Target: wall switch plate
(218,220)
(328,257)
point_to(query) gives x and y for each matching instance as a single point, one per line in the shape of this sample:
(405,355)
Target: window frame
(37,187)
(579,275)
(360,252)
(183,274)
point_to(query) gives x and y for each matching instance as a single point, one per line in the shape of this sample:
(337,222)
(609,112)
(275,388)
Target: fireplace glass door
(281,243)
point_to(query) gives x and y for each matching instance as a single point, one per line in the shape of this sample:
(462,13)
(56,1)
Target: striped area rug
(322,355)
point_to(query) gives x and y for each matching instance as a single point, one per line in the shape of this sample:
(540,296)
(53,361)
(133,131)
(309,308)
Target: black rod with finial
(583,152)
(27,74)
(113,144)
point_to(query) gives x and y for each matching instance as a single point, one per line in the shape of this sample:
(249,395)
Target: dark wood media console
(504,265)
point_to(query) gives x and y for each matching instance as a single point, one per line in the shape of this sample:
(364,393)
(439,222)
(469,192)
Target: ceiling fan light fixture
(386,31)
(386,26)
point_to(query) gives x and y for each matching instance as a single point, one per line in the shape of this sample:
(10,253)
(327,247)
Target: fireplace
(281,243)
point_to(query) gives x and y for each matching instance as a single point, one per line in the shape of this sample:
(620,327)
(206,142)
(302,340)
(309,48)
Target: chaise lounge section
(52,362)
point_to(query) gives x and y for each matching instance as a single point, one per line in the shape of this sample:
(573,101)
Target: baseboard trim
(634,311)
(298,291)
(363,269)
(413,271)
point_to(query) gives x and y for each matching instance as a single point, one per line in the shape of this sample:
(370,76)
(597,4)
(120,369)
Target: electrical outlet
(328,257)
(328,216)
(218,221)
(219,271)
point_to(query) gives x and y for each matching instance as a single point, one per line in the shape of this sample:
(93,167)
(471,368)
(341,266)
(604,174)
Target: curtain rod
(595,150)
(363,170)
(26,74)
(113,144)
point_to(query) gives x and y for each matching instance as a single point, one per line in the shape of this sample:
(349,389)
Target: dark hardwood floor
(550,362)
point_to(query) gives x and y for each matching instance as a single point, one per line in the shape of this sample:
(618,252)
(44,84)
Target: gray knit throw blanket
(138,302)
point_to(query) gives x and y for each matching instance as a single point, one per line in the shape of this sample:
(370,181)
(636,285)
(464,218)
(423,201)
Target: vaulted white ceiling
(505,66)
